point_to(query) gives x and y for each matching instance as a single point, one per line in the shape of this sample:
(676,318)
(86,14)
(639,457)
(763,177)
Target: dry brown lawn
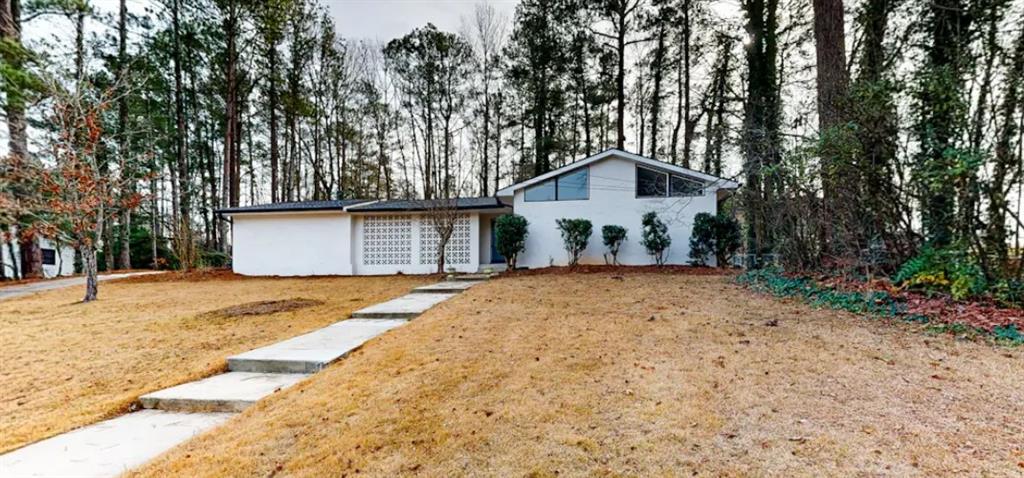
(639,375)
(65,364)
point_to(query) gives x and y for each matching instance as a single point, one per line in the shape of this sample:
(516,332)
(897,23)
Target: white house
(362,237)
(57,261)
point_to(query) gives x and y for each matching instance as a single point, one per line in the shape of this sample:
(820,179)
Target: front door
(496,257)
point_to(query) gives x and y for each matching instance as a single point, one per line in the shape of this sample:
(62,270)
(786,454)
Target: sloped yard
(67,364)
(634,375)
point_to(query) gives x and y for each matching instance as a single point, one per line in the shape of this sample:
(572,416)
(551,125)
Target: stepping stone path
(176,414)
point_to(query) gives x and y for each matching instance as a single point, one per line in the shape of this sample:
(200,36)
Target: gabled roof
(722,183)
(399,205)
(295,206)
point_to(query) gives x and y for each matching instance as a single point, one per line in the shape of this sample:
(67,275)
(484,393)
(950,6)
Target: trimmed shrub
(655,237)
(717,235)
(575,235)
(613,237)
(510,233)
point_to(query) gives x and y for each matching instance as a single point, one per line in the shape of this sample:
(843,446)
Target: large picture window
(651,183)
(544,191)
(680,186)
(574,185)
(571,186)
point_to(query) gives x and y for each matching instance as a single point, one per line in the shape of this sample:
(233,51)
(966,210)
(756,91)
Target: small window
(681,186)
(573,186)
(49,257)
(544,191)
(651,183)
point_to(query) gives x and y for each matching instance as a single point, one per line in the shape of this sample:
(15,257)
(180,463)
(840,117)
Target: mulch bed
(938,307)
(609,269)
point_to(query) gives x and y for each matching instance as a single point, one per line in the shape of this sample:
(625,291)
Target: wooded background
(862,131)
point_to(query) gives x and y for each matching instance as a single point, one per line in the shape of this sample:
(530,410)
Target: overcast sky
(387,19)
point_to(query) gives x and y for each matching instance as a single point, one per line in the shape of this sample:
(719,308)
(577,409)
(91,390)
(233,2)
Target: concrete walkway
(109,448)
(313,351)
(13,291)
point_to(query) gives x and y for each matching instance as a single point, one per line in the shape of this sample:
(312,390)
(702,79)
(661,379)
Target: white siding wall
(612,201)
(292,244)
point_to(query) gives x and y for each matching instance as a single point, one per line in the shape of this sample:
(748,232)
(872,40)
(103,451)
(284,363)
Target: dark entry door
(496,257)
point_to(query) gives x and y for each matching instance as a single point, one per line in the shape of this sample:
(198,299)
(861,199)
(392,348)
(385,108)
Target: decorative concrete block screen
(387,240)
(458,249)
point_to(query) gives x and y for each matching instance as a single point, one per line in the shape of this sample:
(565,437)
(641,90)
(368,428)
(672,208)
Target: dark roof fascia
(425,209)
(270,208)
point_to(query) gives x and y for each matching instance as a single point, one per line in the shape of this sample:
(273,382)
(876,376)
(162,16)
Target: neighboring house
(57,261)
(360,237)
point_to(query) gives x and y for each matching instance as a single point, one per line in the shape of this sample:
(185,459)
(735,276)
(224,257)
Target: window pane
(544,191)
(686,187)
(650,183)
(49,257)
(574,185)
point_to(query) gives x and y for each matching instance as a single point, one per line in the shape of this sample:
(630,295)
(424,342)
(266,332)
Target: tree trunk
(80,45)
(940,105)
(620,82)
(1005,163)
(689,124)
(228,181)
(125,261)
(830,49)
(760,123)
(657,71)
(272,100)
(88,253)
(10,31)
(180,145)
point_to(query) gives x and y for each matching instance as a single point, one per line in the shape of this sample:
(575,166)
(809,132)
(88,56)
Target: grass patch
(632,375)
(66,364)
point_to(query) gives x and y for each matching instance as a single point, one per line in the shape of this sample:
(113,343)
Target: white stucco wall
(329,243)
(612,201)
(292,244)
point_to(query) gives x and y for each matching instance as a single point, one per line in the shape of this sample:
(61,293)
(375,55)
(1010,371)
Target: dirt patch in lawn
(196,275)
(634,375)
(264,307)
(66,364)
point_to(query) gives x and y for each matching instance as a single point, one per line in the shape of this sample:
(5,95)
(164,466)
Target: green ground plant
(874,304)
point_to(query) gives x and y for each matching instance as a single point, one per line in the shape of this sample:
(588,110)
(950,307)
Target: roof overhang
(503,208)
(715,181)
(294,207)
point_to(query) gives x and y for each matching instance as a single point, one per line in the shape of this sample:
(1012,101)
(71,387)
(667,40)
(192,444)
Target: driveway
(33,287)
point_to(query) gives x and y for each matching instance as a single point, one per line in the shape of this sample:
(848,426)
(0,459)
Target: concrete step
(408,306)
(471,277)
(490,269)
(108,448)
(449,287)
(227,392)
(313,351)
